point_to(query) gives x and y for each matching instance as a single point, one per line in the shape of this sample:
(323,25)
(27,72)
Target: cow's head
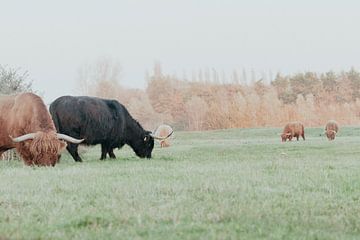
(43,148)
(330,134)
(144,145)
(285,136)
(163,133)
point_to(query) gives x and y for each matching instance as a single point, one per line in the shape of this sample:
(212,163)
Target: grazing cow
(100,121)
(164,131)
(331,129)
(27,126)
(293,129)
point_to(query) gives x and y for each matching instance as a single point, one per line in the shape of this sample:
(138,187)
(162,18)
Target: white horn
(161,138)
(68,138)
(22,138)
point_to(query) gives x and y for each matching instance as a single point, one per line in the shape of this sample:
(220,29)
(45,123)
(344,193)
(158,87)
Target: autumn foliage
(207,101)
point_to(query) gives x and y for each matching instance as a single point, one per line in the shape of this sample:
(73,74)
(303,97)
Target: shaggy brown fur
(26,113)
(293,129)
(331,129)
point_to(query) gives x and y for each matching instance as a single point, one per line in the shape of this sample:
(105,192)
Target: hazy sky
(52,39)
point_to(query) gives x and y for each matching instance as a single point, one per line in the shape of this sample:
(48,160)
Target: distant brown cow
(163,133)
(293,129)
(331,129)
(25,124)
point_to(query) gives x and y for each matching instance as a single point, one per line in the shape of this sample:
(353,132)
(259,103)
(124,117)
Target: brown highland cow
(293,129)
(164,132)
(331,129)
(26,125)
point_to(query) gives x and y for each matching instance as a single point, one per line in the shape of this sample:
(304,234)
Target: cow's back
(332,125)
(6,106)
(297,127)
(294,128)
(94,119)
(21,114)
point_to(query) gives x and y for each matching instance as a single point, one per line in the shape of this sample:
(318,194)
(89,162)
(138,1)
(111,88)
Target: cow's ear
(147,136)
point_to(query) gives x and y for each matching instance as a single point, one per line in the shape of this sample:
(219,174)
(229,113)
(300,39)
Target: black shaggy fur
(100,121)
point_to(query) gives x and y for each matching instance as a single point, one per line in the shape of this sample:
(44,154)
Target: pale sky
(52,39)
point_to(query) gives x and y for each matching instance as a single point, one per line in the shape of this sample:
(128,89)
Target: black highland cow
(100,121)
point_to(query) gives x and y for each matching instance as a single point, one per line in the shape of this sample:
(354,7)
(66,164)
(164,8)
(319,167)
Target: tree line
(213,102)
(207,100)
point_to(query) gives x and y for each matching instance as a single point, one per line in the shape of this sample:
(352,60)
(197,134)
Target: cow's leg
(111,153)
(303,136)
(2,150)
(103,151)
(297,137)
(73,150)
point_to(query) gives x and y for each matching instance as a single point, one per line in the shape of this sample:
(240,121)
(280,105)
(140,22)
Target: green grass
(226,184)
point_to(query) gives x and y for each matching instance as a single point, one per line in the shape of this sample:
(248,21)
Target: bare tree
(196,109)
(100,77)
(13,80)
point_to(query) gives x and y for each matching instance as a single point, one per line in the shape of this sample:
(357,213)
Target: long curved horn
(156,129)
(22,138)
(161,138)
(68,138)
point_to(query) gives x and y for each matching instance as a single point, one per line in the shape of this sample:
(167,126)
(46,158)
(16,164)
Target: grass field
(229,184)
